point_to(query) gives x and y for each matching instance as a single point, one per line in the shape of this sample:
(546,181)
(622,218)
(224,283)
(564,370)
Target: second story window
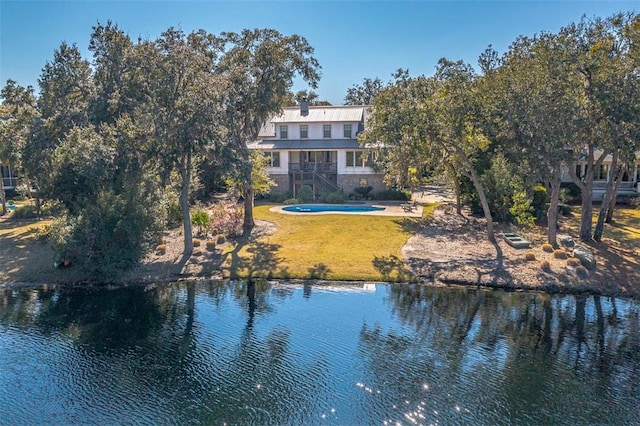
(304,131)
(326,130)
(347,131)
(284,132)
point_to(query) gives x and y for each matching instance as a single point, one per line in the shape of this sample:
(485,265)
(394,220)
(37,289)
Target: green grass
(625,227)
(331,247)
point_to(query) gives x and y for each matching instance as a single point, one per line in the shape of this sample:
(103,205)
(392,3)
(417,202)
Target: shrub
(334,197)
(278,197)
(196,242)
(211,245)
(201,219)
(504,181)
(545,266)
(291,201)
(582,272)
(393,195)
(227,219)
(570,192)
(573,262)
(161,249)
(363,192)
(521,209)
(560,254)
(539,199)
(565,209)
(220,239)
(530,256)
(112,234)
(547,248)
(25,212)
(305,194)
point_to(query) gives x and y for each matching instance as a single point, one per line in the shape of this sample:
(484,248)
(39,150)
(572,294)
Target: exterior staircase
(324,184)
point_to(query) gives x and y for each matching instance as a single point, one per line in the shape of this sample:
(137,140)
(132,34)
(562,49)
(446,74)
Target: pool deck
(390,209)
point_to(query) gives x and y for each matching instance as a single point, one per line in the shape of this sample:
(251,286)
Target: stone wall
(282,182)
(350,182)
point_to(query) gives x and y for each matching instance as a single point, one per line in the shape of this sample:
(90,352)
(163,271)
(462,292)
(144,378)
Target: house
(9,178)
(317,146)
(630,185)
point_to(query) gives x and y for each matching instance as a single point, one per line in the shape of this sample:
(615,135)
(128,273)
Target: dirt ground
(455,250)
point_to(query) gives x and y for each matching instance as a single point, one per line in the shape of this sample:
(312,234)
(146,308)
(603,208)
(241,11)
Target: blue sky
(352,39)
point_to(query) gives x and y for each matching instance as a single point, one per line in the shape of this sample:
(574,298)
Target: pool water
(321,208)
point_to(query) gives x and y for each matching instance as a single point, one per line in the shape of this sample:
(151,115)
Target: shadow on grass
(393,268)
(260,262)
(413,225)
(319,272)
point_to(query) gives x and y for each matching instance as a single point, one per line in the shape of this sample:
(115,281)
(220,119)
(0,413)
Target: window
(359,159)
(326,130)
(347,131)
(273,159)
(284,132)
(350,162)
(304,131)
(579,171)
(603,172)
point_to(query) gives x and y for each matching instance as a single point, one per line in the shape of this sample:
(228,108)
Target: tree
(20,106)
(602,52)
(534,104)
(434,119)
(184,96)
(259,66)
(365,93)
(460,133)
(310,96)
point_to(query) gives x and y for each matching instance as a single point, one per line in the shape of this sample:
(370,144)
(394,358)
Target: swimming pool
(327,208)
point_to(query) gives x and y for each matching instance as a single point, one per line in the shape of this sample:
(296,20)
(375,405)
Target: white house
(629,186)
(317,146)
(8,176)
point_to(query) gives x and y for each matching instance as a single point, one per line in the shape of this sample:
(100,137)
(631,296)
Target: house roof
(322,114)
(317,114)
(306,144)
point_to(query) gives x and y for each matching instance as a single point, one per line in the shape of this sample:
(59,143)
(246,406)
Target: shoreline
(450,251)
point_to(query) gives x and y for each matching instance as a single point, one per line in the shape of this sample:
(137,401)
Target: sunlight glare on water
(284,353)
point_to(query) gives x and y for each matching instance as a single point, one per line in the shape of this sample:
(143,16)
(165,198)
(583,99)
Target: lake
(291,354)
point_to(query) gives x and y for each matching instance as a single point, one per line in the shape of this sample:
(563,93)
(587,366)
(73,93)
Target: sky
(353,40)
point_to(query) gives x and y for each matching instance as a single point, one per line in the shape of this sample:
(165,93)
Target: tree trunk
(586,222)
(608,196)
(483,198)
(552,213)
(456,188)
(185,174)
(248,223)
(612,204)
(3,196)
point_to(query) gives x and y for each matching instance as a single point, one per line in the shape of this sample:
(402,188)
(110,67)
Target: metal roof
(322,114)
(306,144)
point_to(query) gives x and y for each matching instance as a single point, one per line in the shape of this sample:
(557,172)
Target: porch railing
(313,167)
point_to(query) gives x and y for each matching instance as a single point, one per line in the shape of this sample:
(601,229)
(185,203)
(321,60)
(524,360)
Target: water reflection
(284,353)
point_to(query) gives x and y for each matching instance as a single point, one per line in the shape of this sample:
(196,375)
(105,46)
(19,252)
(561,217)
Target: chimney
(304,107)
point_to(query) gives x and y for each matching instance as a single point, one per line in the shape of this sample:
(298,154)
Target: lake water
(288,354)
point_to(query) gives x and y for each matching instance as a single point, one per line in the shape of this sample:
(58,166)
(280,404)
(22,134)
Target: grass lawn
(625,228)
(331,246)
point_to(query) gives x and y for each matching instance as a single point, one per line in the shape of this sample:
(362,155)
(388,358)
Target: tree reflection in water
(510,353)
(197,375)
(285,354)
